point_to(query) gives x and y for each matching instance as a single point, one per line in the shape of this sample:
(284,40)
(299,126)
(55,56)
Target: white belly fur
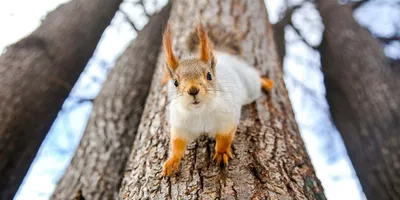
(240,85)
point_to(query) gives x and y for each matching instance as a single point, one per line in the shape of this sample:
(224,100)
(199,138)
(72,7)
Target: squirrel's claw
(225,156)
(170,166)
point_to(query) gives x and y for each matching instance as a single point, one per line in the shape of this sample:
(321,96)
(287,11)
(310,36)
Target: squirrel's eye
(209,76)
(176,83)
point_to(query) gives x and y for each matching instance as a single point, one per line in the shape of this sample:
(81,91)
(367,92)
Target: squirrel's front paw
(222,156)
(172,164)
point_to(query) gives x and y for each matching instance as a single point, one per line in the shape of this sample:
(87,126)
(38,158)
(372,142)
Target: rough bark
(270,161)
(364,98)
(36,75)
(95,171)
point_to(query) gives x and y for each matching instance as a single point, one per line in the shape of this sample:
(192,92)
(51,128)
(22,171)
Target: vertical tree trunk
(279,36)
(36,75)
(96,169)
(364,98)
(270,160)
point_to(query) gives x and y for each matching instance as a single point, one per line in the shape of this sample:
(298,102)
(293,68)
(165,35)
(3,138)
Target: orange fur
(172,61)
(178,147)
(266,84)
(223,146)
(165,79)
(205,45)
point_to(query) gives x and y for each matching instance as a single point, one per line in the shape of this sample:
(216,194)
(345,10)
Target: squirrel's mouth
(195,102)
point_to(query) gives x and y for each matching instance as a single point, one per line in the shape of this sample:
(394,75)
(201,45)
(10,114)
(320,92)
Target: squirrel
(206,94)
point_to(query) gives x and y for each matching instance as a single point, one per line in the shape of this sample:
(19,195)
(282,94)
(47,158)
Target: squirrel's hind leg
(223,146)
(266,84)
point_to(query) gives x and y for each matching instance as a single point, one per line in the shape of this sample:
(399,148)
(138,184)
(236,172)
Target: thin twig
(287,15)
(302,37)
(387,40)
(141,3)
(129,20)
(357,4)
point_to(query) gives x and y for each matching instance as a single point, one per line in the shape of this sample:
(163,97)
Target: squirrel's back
(238,78)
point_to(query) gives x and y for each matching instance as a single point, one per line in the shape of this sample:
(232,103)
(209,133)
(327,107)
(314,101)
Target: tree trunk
(364,98)
(270,160)
(36,75)
(279,36)
(96,169)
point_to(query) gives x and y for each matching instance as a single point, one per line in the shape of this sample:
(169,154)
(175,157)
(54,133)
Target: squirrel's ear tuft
(171,60)
(205,48)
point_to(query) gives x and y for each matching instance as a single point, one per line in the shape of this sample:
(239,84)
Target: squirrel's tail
(222,38)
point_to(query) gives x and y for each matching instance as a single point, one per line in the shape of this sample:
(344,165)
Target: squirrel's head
(193,78)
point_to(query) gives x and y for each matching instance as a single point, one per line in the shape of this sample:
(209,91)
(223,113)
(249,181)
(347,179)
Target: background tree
(345,52)
(36,75)
(270,160)
(364,98)
(96,170)
(279,30)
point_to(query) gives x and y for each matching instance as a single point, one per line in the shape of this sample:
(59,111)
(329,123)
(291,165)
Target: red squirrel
(206,94)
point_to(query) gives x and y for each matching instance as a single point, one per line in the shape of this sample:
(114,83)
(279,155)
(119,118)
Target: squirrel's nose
(193,91)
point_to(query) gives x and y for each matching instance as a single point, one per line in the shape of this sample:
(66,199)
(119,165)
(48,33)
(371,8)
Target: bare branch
(77,101)
(287,15)
(279,31)
(287,20)
(357,4)
(387,40)
(129,20)
(141,3)
(302,37)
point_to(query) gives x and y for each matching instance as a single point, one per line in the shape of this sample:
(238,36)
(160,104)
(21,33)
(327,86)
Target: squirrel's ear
(171,60)
(205,45)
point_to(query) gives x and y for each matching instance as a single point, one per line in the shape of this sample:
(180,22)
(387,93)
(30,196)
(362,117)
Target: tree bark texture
(96,170)
(270,160)
(364,97)
(36,75)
